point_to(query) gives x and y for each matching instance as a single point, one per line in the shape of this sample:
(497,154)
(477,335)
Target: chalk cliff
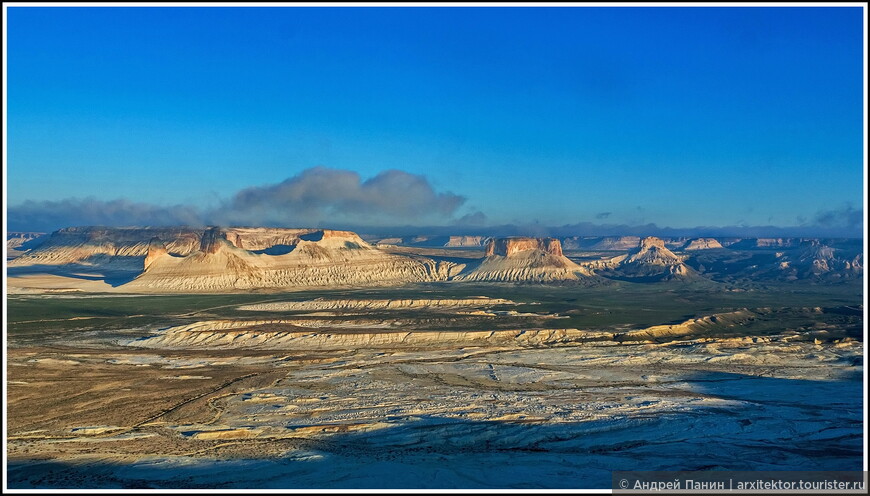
(523,260)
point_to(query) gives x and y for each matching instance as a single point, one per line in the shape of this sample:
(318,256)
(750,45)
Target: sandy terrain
(465,418)
(281,403)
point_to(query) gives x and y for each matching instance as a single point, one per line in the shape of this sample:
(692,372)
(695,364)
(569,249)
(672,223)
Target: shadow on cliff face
(739,422)
(275,250)
(115,270)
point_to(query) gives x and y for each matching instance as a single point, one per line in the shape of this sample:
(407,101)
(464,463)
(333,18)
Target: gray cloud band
(314,196)
(324,197)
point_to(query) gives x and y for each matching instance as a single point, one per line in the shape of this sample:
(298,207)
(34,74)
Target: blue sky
(677,116)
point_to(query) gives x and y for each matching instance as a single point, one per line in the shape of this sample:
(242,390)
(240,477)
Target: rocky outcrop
(652,259)
(262,238)
(389,241)
(321,304)
(507,247)
(211,240)
(814,259)
(775,242)
(116,250)
(156,249)
(311,334)
(316,335)
(119,246)
(652,251)
(317,258)
(763,243)
(211,260)
(523,260)
(228,259)
(675,243)
(457,241)
(18,243)
(616,243)
(16,239)
(701,244)
(574,243)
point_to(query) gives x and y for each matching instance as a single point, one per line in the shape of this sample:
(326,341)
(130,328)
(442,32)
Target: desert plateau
(255,357)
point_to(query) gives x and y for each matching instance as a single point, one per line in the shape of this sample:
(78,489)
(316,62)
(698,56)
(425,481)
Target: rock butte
(156,248)
(653,251)
(466,241)
(524,259)
(651,259)
(507,247)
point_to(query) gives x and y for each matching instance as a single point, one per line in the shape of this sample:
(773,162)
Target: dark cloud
(51,215)
(603,215)
(323,195)
(846,216)
(477,218)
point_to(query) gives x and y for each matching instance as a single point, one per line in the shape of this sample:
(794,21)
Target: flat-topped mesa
(332,233)
(283,258)
(616,243)
(329,239)
(123,248)
(509,246)
(211,240)
(775,242)
(465,241)
(702,244)
(156,248)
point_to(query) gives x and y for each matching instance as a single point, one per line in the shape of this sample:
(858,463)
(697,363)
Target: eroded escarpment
(171,260)
(377,304)
(364,333)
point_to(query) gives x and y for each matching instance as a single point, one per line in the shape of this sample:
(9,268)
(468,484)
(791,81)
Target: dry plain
(498,386)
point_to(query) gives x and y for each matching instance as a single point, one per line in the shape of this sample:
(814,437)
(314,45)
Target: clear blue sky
(678,116)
